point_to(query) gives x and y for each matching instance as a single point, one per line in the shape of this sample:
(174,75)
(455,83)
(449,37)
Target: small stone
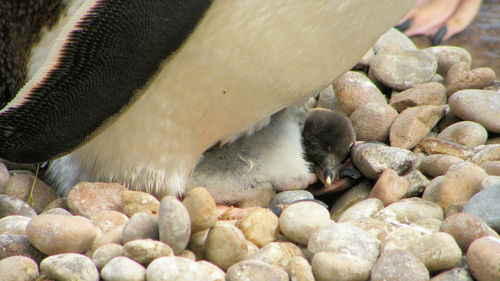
(432,189)
(465,133)
(278,253)
(347,239)
(485,206)
(489,181)
(188,255)
(460,77)
(14,206)
(55,234)
(174,268)
(399,265)
(57,203)
(299,269)
(372,121)
(454,209)
(108,220)
(432,145)
(197,244)
(58,211)
(403,69)
(337,266)
(448,56)
(378,229)
(123,269)
(214,273)
(261,226)
(492,168)
(140,226)
(4,177)
(18,245)
(299,220)
(69,267)
(418,182)
(290,196)
(353,90)
(437,164)
(394,36)
(413,124)
(454,274)
(23,183)
(112,236)
(255,270)
(89,198)
(430,93)
(225,245)
(327,99)
(18,268)
(410,210)
(465,228)
(373,158)
(389,187)
(438,251)
(201,207)
(428,225)
(482,257)
(139,202)
(402,238)
(486,153)
(481,106)
(362,209)
(459,184)
(350,197)
(174,224)
(145,251)
(14,225)
(105,253)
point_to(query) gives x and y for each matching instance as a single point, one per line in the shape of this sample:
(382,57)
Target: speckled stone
(337,266)
(14,225)
(18,268)
(69,267)
(123,269)
(14,206)
(372,121)
(139,202)
(201,208)
(108,220)
(145,251)
(438,251)
(89,198)
(255,270)
(482,257)
(430,93)
(55,234)
(225,245)
(140,226)
(261,226)
(105,253)
(174,268)
(398,265)
(437,164)
(361,209)
(485,206)
(299,220)
(480,106)
(465,228)
(174,224)
(461,77)
(18,245)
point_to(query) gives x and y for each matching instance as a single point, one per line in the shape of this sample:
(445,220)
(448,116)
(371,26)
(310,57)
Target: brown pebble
(431,93)
(482,257)
(465,228)
(390,187)
(460,77)
(261,226)
(372,121)
(201,209)
(139,202)
(399,265)
(89,198)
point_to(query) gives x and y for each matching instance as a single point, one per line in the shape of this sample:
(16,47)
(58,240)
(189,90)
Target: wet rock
(140,226)
(413,124)
(448,56)
(437,164)
(139,202)
(402,238)
(372,121)
(225,245)
(465,228)
(261,226)
(485,206)
(18,245)
(299,220)
(14,225)
(299,269)
(480,106)
(460,77)
(362,209)
(201,209)
(14,206)
(438,251)
(123,269)
(174,224)
(175,268)
(482,257)
(430,93)
(466,133)
(399,265)
(390,187)
(89,198)
(255,270)
(108,220)
(338,266)
(105,253)
(55,234)
(69,267)
(145,251)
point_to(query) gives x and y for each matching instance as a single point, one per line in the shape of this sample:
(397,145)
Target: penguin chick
(248,171)
(328,137)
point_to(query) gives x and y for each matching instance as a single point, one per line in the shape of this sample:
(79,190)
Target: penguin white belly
(244,61)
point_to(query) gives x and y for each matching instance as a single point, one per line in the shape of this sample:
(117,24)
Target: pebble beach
(425,208)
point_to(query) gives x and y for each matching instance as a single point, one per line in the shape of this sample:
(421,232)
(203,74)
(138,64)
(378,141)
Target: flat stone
(486,153)
(410,210)
(481,106)
(290,196)
(437,164)
(144,251)
(430,93)
(361,209)
(350,197)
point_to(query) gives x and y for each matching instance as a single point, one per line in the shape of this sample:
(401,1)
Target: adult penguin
(138,90)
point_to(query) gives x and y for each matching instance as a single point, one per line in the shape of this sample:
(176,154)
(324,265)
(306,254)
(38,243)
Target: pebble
(21,183)
(109,220)
(213,272)
(491,168)
(432,145)
(459,184)
(437,164)
(58,211)
(372,121)
(112,236)
(486,153)
(201,207)
(139,202)
(390,187)
(144,251)
(255,270)
(399,265)
(430,93)
(372,159)
(465,228)
(261,226)
(299,220)
(482,257)
(105,253)
(337,266)
(350,197)
(361,209)
(278,253)
(378,229)
(485,206)
(4,177)
(432,189)
(89,198)
(326,99)
(402,69)
(225,245)
(454,274)
(394,36)
(481,106)
(123,269)
(197,243)
(428,225)
(14,206)
(448,56)
(402,238)
(347,239)
(18,245)
(174,224)
(14,225)
(438,251)
(461,77)
(174,268)
(290,196)
(140,226)
(410,210)
(299,269)
(55,234)
(466,133)
(18,268)
(413,124)
(69,267)
(355,89)
(489,181)
(418,181)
